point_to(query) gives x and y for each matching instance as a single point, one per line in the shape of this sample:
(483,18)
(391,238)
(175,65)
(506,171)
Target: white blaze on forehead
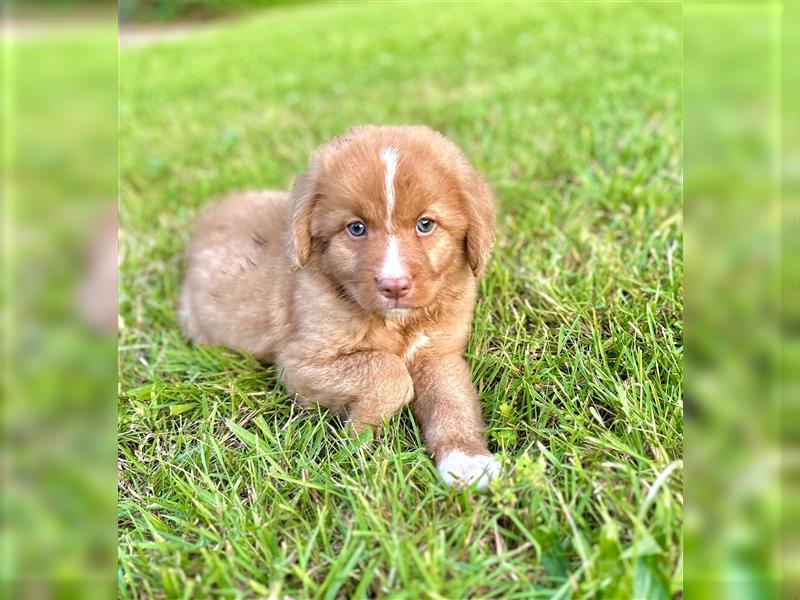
(389,157)
(392,263)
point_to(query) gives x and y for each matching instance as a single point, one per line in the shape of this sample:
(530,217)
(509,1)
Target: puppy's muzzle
(394,287)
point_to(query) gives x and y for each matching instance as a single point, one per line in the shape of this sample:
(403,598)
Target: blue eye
(425,225)
(357,229)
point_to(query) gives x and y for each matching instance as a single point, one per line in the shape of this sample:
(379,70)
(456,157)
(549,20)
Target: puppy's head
(392,216)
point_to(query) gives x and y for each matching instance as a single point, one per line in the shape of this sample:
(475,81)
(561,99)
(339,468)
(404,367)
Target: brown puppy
(359,284)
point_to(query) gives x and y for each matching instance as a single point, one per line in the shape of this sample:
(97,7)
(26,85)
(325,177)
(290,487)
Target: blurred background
(59,112)
(163,11)
(741,239)
(742,179)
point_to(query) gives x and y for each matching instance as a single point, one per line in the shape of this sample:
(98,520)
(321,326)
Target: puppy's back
(236,274)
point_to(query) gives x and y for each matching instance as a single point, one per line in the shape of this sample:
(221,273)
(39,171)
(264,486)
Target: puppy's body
(359,324)
(232,295)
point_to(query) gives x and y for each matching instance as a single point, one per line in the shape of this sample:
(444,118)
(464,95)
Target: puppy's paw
(460,470)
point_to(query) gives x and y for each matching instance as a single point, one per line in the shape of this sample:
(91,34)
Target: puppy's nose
(394,287)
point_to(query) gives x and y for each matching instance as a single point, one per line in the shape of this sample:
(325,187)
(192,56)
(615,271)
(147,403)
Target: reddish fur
(277,275)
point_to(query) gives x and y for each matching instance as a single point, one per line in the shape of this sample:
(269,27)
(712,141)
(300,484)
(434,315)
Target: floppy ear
(481,221)
(303,196)
(301,201)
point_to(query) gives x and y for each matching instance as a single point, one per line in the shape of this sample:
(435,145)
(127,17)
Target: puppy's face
(393,215)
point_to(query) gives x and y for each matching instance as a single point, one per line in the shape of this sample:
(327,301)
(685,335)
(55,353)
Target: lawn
(573,113)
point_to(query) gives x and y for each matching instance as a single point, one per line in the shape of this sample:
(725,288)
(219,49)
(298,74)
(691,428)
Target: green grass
(226,488)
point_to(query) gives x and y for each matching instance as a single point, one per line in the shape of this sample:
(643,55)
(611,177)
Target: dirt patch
(131,36)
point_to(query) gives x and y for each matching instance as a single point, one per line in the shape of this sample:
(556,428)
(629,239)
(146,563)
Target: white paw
(459,470)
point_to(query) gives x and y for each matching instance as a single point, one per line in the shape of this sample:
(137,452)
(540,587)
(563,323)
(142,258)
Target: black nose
(394,287)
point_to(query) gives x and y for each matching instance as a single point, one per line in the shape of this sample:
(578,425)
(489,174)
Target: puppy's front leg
(448,411)
(368,386)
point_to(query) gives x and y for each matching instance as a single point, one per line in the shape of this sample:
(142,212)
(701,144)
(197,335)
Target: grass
(226,488)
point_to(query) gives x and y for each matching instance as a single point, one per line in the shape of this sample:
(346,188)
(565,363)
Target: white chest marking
(421,341)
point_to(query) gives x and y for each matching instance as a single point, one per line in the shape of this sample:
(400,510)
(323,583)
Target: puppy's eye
(357,229)
(425,226)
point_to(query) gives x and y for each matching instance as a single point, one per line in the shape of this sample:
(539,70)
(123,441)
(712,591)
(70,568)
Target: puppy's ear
(301,201)
(481,220)
(303,196)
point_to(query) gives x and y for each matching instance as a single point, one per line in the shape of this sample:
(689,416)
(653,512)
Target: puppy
(359,284)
